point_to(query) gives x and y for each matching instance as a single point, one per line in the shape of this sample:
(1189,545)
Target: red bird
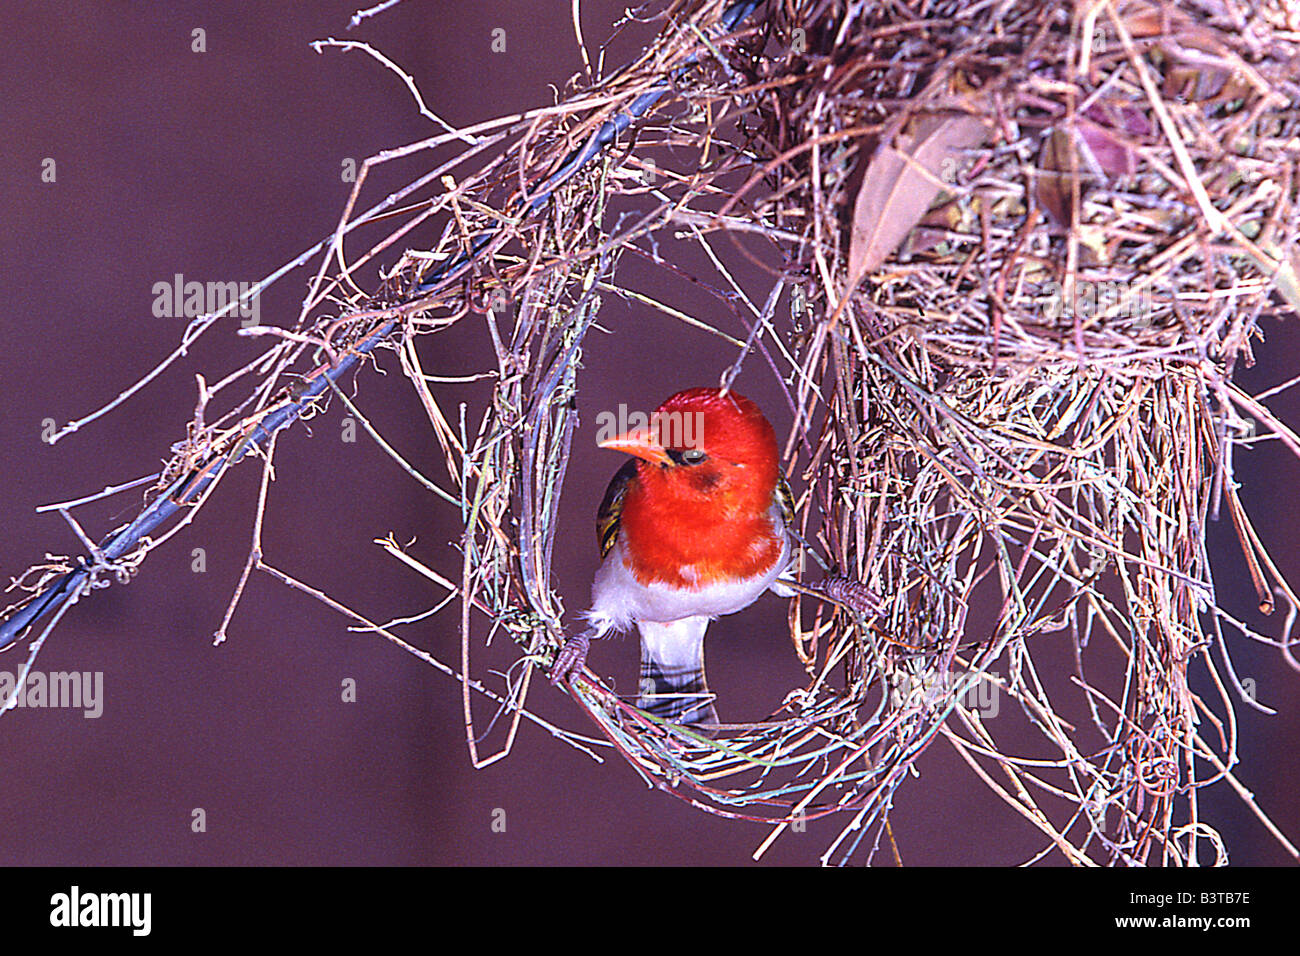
(693,527)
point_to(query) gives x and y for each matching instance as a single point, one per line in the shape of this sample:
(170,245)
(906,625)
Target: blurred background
(220,165)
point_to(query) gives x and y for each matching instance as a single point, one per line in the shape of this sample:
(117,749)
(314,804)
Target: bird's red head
(706,478)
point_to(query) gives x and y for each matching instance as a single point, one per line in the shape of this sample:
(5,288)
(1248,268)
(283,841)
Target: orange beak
(641,443)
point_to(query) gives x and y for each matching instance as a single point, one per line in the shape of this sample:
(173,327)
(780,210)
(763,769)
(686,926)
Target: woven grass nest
(1015,251)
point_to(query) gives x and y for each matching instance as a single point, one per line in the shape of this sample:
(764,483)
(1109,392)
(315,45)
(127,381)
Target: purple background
(221,166)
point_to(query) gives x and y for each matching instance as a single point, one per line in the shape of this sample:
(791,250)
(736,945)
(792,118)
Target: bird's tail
(673,683)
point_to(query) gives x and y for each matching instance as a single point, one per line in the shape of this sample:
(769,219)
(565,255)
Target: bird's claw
(852,594)
(571,659)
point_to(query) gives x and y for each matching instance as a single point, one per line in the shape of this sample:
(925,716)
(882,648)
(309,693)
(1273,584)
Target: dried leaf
(1192,83)
(1288,281)
(1093,250)
(1146,20)
(1053,186)
(1100,141)
(1142,20)
(1110,154)
(923,239)
(939,225)
(1106,130)
(952,214)
(1286,278)
(902,181)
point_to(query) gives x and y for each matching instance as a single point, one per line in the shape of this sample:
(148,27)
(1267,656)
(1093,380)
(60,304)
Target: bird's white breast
(619,600)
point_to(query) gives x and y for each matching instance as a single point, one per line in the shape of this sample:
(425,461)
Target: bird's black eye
(689,456)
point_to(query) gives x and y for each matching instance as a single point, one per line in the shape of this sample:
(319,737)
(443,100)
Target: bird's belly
(619,598)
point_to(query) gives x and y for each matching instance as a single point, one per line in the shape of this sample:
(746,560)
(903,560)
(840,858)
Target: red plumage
(713,517)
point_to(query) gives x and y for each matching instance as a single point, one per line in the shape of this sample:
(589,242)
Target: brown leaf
(1110,153)
(1193,83)
(1286,272)
(1106,130)
(1053,187)
(1100,140)
(1145,19)
(902,181)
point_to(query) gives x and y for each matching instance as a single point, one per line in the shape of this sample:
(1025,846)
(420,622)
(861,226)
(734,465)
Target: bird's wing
(785,501)
(610,515)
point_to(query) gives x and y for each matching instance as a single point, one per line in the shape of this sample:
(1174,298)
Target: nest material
(1016,251)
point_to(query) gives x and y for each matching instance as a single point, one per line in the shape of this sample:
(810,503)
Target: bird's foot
(850,593)
(571,659)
